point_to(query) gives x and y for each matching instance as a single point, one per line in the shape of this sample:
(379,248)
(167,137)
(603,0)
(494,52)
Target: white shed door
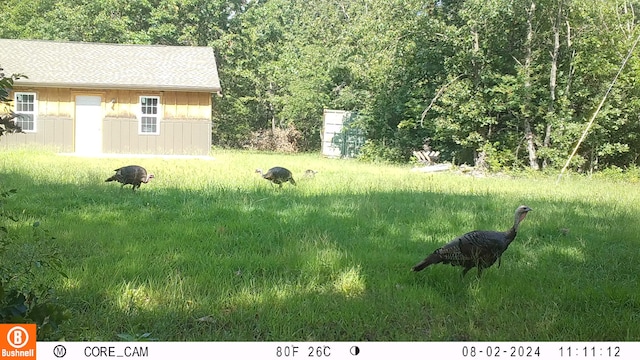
(88,124)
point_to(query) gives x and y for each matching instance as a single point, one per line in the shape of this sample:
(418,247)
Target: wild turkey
(278,175)
(132,174)
(310,174)
(478,249)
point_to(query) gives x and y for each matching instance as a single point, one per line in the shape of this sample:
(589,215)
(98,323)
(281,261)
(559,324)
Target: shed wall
(339,137)
(185,125)
(54,132)
(177,136)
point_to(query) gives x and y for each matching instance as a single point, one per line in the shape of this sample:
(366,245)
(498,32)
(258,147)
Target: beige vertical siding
(185,125)
(53,132)
(177,136)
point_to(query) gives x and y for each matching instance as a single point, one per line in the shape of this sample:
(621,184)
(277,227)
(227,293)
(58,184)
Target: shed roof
(112,66)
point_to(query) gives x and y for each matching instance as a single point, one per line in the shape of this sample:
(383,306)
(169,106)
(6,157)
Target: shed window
(26,110)
(149,115)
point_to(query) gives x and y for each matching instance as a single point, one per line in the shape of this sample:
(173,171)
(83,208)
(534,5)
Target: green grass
(210,251)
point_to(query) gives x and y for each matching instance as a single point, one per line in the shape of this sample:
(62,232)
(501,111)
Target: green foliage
(499,158)
(7,116)
(614,173)
(378,152)
(25,266)
(168,22)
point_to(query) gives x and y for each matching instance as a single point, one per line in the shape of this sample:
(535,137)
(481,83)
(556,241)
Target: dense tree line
(508,83)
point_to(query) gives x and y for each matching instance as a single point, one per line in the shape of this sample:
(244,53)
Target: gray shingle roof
(111,66)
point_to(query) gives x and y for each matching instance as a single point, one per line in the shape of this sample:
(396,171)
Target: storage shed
(340,138)
(92,98)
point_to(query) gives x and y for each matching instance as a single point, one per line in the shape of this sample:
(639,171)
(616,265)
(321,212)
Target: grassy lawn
(208,250)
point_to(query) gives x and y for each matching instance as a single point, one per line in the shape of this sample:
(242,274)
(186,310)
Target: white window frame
(142,115)
(19,112)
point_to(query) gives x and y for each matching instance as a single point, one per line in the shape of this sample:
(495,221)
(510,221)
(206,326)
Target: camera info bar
(335,350)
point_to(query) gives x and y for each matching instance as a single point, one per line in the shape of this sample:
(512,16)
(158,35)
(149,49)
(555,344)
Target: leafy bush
(7,123)
(630,174)
(377,151)
(26,263)
(498,159)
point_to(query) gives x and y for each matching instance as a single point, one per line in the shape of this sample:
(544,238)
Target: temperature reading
(287,351)
(319,351)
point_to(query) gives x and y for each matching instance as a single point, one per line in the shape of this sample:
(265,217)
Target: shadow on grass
(263,264)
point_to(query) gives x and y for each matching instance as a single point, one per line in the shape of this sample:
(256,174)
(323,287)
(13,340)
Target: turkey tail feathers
(429,260)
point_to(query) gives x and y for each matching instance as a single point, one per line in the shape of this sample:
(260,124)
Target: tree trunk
(531,146)
(555,26)
(629,25)
(272,109)
(528,133)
